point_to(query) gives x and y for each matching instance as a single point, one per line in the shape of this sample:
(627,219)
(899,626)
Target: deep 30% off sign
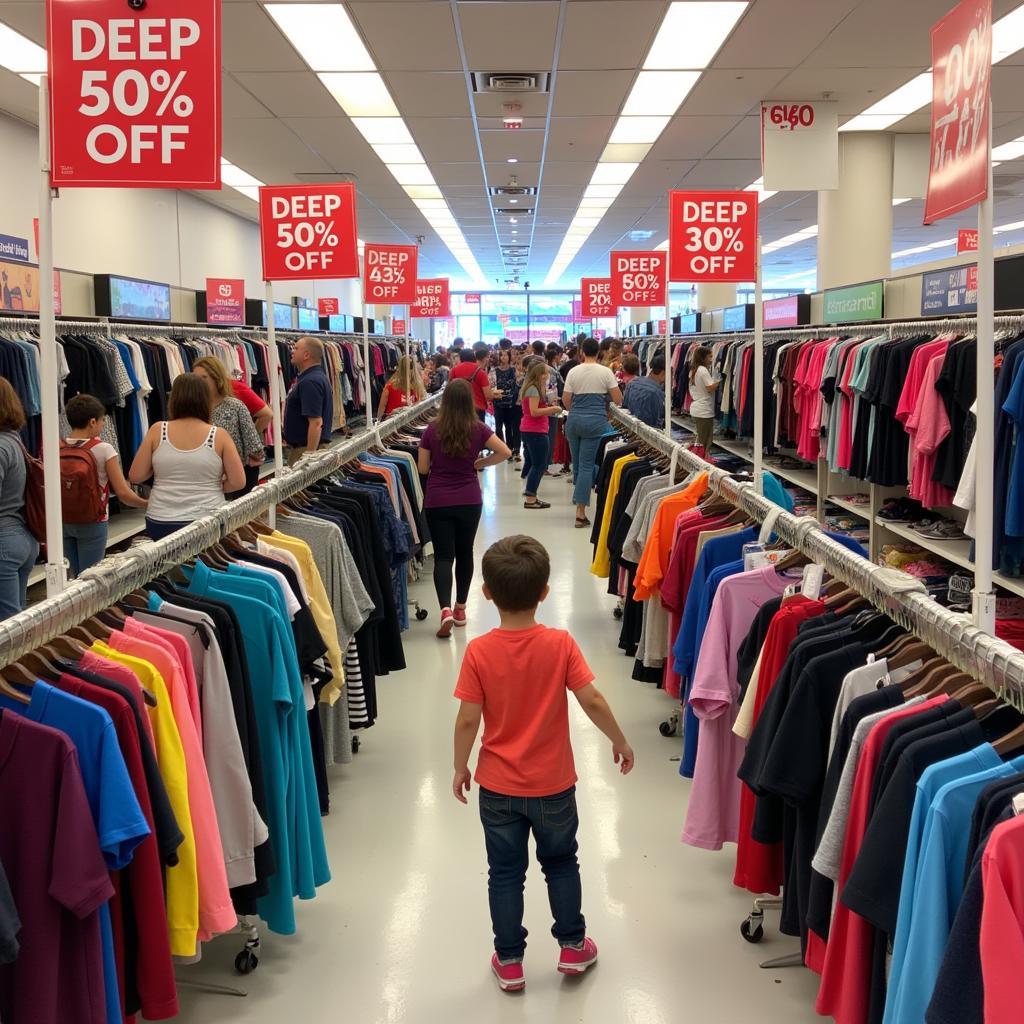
(308,232)
(389,274)
(712,236)
(135,93)
(639,278)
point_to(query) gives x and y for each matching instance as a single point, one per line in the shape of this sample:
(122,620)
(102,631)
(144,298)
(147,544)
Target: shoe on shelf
(447,624)
(575,960)
(460,616)
(510,975)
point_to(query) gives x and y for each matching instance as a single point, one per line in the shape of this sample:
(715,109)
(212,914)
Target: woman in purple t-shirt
(451,458)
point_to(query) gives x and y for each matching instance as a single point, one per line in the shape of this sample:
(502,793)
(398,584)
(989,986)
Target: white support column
(758,376)
(984,596)
(275,390)
(366,360)
(668,371)
(407,326)
(715,296)
(56,578)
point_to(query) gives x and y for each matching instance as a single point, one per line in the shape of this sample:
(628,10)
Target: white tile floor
(401,935)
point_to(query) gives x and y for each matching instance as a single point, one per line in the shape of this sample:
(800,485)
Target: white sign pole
(668,368)
(758,376)
(406,322)
(56,578)
(366,359)
(984,596)
(275,391)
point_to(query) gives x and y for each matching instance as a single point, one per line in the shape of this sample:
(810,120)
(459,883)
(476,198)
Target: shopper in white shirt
(702,396)
(589,388)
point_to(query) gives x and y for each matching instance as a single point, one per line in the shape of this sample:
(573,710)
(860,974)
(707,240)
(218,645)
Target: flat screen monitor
(131,298)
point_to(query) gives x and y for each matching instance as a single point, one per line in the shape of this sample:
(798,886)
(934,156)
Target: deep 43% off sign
(639,279)
(308,232)
(712,236)
(596,297)
(389,274)
(135,93)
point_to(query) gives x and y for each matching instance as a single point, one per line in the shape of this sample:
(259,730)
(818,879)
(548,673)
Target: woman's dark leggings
(506,425)
(453,531)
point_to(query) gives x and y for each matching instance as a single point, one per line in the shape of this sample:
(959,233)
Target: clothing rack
(114,578)
(987,659)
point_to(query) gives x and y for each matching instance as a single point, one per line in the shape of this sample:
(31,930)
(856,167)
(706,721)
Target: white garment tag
(813,575)
(1018,804)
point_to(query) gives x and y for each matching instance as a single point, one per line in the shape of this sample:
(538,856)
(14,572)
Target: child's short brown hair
(83,408)
(516,570)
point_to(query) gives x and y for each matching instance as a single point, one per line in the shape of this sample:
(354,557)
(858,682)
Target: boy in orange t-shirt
(517,678)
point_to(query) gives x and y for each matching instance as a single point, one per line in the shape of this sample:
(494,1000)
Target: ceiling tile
(508,36)
(251,41)
(429,93)
(445,138)
(525,147)
(269,149)
(691,137)
(732,91)
(742,143)
(609,33)
(493,105)
(409,36)
(579,138)
(290,93)
(591,92)
(458,174)
(238,101)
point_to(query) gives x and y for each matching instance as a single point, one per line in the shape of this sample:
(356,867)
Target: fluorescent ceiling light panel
(1003,228)
(613,174)
(423,192)
(1012,150)
(324,36)
(797,236)
(1008,35)
(659,93)
(763,193)
(924,248)
(625,153)
(593,191)
(241,181)
(900,202)
(360,94)
(399,154)
(411,174)
(691,34)
(638,129)
(383,131)
(900,103)
(19,54)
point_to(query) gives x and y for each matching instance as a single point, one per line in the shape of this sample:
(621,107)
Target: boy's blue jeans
(508,821)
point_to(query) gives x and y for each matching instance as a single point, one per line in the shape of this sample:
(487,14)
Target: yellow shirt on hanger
(183,878)
(602,565)
(319,606)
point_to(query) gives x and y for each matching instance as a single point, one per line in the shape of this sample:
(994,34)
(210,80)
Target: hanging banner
(328,307)
(225,301)
(950,291)
(472,298)
(961,88)
(712,236)
(135,98)
(792,311)
(799,145)
(966,240)
(639,278)
(432,298)
(398,327)
(389,274)
(19,288)
(596,298)
(663,327)
(857,302)
(308,232)
(12,248)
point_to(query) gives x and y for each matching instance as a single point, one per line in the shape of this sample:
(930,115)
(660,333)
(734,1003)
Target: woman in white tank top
(192,462)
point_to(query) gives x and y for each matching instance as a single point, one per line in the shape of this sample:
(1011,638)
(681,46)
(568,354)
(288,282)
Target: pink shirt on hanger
(844,448)
(116,673)
(928,426)
(713,815)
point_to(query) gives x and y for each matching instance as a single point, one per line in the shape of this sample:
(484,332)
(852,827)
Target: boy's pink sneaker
(447,622)
(576,961)
(460,617)
(510,976)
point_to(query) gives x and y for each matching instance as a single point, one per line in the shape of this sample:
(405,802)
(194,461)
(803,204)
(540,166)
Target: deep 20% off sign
(308,232)
(135,93)
(712,236)
(389,274)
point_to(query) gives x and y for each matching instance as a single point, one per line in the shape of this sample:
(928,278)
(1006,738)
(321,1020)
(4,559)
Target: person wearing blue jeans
(18,548)
(589,388)
(85,544)
(533,430)
(508,821)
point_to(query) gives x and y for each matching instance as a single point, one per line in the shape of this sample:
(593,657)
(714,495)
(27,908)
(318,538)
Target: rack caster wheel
(246,962)
(421,614)
(356,743)
(752,929)
(667,729)
(617,612)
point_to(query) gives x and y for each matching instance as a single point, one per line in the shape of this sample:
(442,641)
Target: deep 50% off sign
(135,96)
(639,279)
(713,236)
(308,232)
(389,274)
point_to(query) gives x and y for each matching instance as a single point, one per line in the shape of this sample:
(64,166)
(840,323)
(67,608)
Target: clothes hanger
(10,691)
(928,677)
(38,666)
(794,560)
(908,654)
(19,674)
(64,647)
(1012,742)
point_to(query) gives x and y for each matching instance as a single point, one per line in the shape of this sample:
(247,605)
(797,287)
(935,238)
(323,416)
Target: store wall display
(856,302)
(130,298)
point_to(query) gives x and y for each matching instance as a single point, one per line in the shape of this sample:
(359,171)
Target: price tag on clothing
(813,576)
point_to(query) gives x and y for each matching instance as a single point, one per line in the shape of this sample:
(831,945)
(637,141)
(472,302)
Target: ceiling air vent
(514,211)
(510,81)
(512,190)
(514,251)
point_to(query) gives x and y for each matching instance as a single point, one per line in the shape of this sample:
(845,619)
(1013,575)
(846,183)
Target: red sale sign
(472,298)
(308,232)
(328,307)
(961,87)
(225,301)
(389,273)
(432,298)
(135,93)
(966,241)
(596,297)
(663,327)
(398,327)
(712,236)
(639,278)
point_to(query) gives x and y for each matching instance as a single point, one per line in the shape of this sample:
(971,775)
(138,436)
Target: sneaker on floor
(447,622)
(576,961)
(510,976)
(460,617)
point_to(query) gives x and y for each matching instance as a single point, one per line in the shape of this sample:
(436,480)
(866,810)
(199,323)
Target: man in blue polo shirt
(645,396)
(309,409)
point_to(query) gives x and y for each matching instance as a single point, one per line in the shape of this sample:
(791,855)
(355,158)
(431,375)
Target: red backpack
(35,496)
(82,498)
